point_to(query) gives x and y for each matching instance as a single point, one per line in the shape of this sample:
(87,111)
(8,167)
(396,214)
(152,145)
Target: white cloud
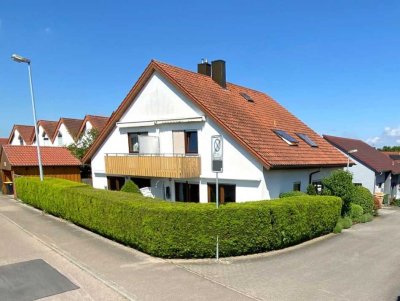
(374,140)
(392,132)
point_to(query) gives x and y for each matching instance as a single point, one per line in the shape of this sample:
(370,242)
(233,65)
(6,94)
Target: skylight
(247,97)
(286,137)
(307,140)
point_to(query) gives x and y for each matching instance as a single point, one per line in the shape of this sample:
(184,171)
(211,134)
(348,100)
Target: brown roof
(250,123)
(19,155)
(27,132)
(365,154)
(98,123)
(393,155)
(72,126)
(49,127)
(3,141)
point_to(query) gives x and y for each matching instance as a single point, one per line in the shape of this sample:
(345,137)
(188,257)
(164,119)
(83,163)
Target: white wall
(363,174)
(278,181)
(15,140)
(42,141)
(66,136)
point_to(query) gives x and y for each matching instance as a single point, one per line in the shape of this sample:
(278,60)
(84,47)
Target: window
(191,145)
(226,194)
(296,186)
(133,142)
(307,140)
(45,137)
(247,97)
(21,141)
(286,137)
(60,138)
(318,186)
(186,192)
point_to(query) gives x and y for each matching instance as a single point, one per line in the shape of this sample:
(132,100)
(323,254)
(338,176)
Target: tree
(340,183)
(79,149)
(390,148)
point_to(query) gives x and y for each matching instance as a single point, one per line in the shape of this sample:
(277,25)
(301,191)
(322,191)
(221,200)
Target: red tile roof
(393,155)
(72,126)
(365,154)
(98,123)
(27,132)
(250,123)
(19,155)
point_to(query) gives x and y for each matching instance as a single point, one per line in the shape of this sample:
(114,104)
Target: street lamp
(348,156)
(20,59)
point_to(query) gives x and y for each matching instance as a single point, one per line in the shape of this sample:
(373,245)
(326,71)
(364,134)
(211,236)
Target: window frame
(188,134)
(130,145)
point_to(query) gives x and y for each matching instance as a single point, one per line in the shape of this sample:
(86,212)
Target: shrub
(396,202)
(363,197)
(338,228)
(356,212)
(291,193)
(345,222)
(365,218)
(311,190)
(130,186)
(184,230)
(339,183)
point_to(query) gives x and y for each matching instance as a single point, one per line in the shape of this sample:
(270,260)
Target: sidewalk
(133,274)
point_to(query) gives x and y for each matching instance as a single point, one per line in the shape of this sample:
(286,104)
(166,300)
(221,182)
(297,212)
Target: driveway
(362,263)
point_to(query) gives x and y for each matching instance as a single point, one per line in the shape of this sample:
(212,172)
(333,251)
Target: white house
(67,131)
(92,122)
(160,136)
(372,169)
(21,135)
(46,130)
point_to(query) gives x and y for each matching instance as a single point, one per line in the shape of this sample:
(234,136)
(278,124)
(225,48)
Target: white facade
(44,139)
(17,139)
(160,110)
(63,137)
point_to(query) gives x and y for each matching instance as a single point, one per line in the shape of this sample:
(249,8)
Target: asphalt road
(362,263)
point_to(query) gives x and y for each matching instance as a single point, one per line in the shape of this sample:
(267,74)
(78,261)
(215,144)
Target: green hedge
(184,230)
(364,198)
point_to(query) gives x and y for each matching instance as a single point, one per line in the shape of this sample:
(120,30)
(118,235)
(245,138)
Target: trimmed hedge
(130,186)
(364,198)
(184,230)
(291,194)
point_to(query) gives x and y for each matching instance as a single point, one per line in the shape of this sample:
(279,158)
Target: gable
(159,100)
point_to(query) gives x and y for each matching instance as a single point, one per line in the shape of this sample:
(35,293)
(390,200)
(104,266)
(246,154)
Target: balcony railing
(153,165)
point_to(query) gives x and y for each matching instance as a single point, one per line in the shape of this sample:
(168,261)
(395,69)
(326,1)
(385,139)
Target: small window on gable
(307,140)
(60,138)
(45,136)
(247,97)
(286,137)
(21,141)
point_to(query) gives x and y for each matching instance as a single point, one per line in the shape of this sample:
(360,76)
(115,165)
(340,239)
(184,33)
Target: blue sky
(335,64)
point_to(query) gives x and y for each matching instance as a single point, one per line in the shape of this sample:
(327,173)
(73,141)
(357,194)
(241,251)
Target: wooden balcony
(158,166)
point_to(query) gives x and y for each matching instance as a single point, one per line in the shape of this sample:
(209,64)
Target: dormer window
(286,137)
(60,138)
(247,97)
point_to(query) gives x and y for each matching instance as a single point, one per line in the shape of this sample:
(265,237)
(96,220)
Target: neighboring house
(46,131)
(22,135)
(395,156)
(3,141)
(160,136)
(92,122)
(373,169)
(57,162)
(67,131)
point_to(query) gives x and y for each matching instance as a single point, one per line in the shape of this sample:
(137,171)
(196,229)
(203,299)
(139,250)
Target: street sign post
(217,167)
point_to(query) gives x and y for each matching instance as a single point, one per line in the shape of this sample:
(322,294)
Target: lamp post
(348,157)
(19,59)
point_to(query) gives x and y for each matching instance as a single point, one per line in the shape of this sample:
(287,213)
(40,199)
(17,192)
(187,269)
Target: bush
(363,197)
(130,186)
(184,230)
(340,184)
(396,202)
(338,228)
(356,212)
(345,222)
(365,218)
(311,190)
(291,194)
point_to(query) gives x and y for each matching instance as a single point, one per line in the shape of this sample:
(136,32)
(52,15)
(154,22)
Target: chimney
(219,73)
(204,68)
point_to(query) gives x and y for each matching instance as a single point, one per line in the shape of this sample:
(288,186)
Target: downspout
(311,174)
